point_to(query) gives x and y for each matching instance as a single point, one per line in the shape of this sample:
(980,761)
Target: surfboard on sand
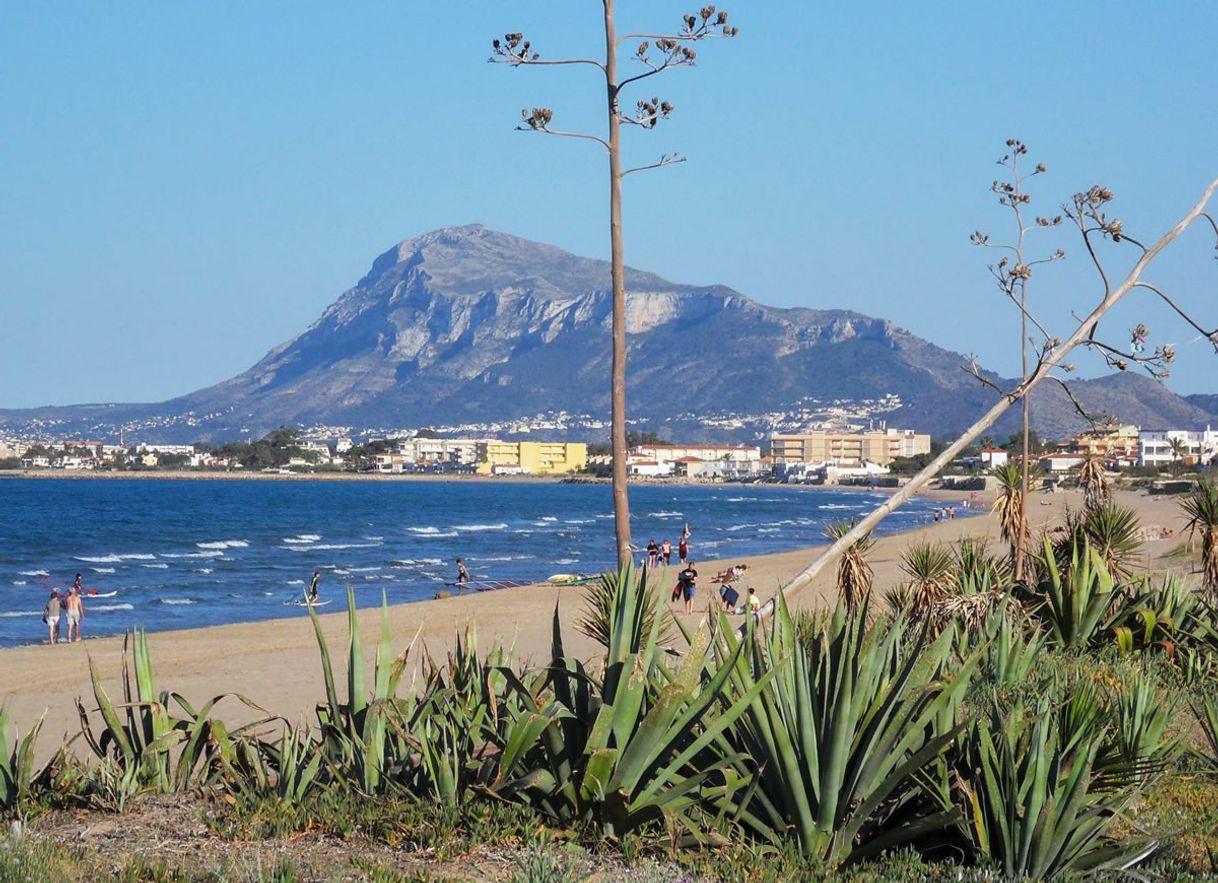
(298,602)
(571,579)
(487,585)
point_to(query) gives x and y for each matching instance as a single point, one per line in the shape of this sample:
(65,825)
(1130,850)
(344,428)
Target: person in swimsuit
(462,573)
(76,612)
(312,599)
(50,615)
(683,549)
(653,553)
(666,552)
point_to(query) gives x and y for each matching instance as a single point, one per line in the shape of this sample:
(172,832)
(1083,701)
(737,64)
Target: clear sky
(184,186)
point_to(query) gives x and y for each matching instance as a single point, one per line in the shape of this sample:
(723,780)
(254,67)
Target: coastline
(275,663)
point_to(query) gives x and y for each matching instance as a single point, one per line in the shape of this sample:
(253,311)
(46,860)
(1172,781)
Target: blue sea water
(184,554)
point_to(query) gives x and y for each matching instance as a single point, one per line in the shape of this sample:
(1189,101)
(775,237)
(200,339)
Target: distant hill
(467,326)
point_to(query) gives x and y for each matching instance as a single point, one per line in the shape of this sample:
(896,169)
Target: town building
(531,457)
(1116,447)
(847,449)
(992,458)
(674,453)
(1155,447)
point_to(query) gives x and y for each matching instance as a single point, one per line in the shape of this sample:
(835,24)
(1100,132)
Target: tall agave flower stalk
(1094,482)
(1008,506)
(1201,507)
(854,574)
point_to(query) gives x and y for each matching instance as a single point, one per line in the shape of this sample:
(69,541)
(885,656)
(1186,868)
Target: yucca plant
(843,731)
(1036,805)
(854,574)
(17,775)
(931,571)
(1094,482)
(1009,507)
(975,565)
(599,600)
(1201,507)
(143,744)
(1013,652)
(1113,531)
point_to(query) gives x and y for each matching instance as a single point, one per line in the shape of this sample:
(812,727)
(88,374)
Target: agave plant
(638,745)
(144,745)
(1080,605)
(1141,717)
(1009,507)
(975,566)
(843,731)
(17,776)
(1206,710)
(931,571)
(599,600)
(853,572)
(1036,805)
(1201,507)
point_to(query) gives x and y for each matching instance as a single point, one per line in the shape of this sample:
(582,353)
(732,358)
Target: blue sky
(184,186)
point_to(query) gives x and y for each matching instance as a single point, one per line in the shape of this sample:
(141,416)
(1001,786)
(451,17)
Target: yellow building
(1119,444)
(532,458)
(846,449)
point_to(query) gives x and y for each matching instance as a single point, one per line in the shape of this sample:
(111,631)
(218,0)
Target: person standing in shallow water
(75,605)
(462,573)
(666,551)
(50,615)
(313,587)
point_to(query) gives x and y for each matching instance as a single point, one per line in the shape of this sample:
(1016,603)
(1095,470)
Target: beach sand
(276,663)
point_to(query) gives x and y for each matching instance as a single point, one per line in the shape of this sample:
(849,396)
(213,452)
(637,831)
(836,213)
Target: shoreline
(275,662)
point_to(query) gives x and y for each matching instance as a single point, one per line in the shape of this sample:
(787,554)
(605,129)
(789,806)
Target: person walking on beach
(754,602)
(75,605)
(653,553)
(50,615)
(462,573)
(688,579)
(683,546)
(666,551)
(313,587)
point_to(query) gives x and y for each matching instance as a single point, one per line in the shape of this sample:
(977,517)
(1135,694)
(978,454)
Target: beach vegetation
(854,574)
(1011,511)
(1201,507)
(931,569)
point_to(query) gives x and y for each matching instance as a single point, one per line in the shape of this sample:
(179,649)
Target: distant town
(872,457)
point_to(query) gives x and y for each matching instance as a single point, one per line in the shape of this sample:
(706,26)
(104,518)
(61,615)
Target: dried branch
(665,160)
(538,120)
(515,51)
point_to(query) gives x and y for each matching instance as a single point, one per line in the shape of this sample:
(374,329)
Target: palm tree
(1093,481)
(853,572)
(1201,507)
(1012,517)
(1179,450)
(932,573)
(1113,531)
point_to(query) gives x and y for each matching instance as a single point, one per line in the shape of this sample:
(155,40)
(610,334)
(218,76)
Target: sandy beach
(276,664)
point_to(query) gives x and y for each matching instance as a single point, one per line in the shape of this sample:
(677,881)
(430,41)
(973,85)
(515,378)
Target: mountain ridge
(468,326)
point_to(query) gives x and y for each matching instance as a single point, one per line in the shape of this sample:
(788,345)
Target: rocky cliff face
(469,325)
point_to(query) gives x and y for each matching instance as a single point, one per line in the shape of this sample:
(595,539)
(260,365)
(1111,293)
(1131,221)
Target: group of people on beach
(69,606)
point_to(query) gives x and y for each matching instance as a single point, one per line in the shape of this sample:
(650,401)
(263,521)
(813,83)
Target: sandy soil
(276,663)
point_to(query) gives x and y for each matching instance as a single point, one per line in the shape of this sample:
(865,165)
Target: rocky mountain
(469,327)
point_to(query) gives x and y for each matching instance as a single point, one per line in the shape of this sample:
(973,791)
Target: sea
(171,554)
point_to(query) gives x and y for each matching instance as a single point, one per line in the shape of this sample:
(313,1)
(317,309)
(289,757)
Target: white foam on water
(736,527)
(578,521)
(204,570)
(224,544)
(326,547)
(548,518)
(444,534)
(207,553)
(303,538)
(403,562)
(156,566)
(102,569)
(363,569)
(176,601)
(566,560)
(20,582)
(431,560)
(474,528)
(141,556)
(424,530)
(296,582)
(98,559)
(9,614)
(498,558)
(663,513)
(102,608)
(34,573)
(368,576)
(374,539)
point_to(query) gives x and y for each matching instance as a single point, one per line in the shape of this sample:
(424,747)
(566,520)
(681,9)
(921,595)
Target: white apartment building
(673,453)
(1155,446)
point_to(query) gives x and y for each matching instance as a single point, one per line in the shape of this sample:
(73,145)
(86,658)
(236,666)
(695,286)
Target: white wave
(835,506)
(474,528)
(102,608)
(224,544)
(403,562)
(325,547)
(605,516)
(338,572)
(34,573)
(142,556)
(664,513)
(438,535)
(578,521)
(736,527)
(769,530)
(20,582)
(156,566)
(370,576)
(566,560)
(303,538)
(204,570)
(11,613)
(208,553)
(296,582)
(99,559)
(374,539)
(176,601)
(431,560)
(499,558)
(548,518)
(102,569)
(424,530)
(363,569)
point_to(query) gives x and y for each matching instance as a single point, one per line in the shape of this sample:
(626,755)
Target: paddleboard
(103,594)
(570,579)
